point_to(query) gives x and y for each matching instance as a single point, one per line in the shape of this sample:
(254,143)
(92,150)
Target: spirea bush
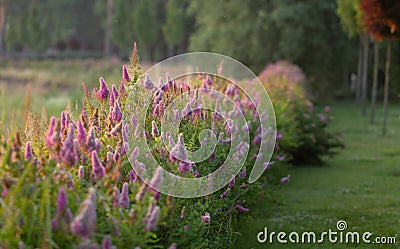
(67,182)
(303,136)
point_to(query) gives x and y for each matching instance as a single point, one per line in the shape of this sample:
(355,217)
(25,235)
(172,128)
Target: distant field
(52,83)
(361,186)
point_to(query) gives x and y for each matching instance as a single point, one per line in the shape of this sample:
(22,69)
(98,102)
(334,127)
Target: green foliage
(305,32)
(174,26)
(350,14)
(303,133)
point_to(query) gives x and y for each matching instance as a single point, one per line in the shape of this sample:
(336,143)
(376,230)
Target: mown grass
(361,186)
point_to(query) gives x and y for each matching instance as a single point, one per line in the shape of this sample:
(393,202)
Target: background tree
(307,33)
(147,20)
(382,20)
(174,26)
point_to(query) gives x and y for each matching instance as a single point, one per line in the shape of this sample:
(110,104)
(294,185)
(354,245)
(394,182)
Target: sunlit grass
(361,185)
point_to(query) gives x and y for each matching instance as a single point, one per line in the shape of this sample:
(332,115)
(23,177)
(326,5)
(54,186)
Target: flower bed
(69,183)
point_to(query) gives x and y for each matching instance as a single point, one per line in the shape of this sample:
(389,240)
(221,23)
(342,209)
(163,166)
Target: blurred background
(49,47)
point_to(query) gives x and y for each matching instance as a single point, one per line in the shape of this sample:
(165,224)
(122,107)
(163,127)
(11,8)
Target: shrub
(303,136)
(68,183)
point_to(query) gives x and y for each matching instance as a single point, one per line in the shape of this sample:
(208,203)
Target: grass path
(361,186)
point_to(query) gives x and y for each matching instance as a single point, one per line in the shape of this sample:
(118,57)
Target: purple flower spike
(107,243)
(152,221)
(67,155)
(62,200)
(208,80)
(81,136)
(322,118)
(84,222)
(148,84)
(327,109)
(114,91)
(257,139)
(285,180)
(116,114)
(97,168)
(125,74)
(280,158)
(28,151)
(124,197)
(154,129)
(223,196)
(267,166)
(54,223)
(173,245)
(103,92)
(242,173)
(155,181)
(206,218)
(50,132)
(184,167)
(112,100)
(132,176)
(232,182)
(81,172)
(241,209)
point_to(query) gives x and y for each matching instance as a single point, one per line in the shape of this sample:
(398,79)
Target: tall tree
(148,17)
(351,20)
(257,32)
(107,33)
(382,20)
(374,82)
(174,26)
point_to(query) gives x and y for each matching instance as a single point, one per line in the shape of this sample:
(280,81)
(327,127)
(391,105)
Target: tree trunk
(374,82)
(359,71)
(386,91)
(2,27)
(107,33)
(364,83)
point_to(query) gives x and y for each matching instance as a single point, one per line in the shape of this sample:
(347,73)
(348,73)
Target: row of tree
(256,32)
(375,20)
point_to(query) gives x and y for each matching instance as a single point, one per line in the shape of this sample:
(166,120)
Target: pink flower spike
(50,142)
(285,180)
(114,91)
(125,74)
(223,196)
(67,152)
(154,129)
(327,109)
(148,84)
(81,172)
(267,166)
(152,221)
(155,181)
(81,136)
(107,243)
(62,200)
(28,151)
(84,223)
(124,197)
(241,209)
(116,113)
(97,168)
(103,92)
(206,218)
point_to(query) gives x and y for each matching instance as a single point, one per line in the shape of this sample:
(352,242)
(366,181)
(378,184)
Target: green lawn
(361,185)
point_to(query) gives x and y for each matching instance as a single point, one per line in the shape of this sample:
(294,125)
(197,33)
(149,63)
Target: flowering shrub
(68,182)
(303,137)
